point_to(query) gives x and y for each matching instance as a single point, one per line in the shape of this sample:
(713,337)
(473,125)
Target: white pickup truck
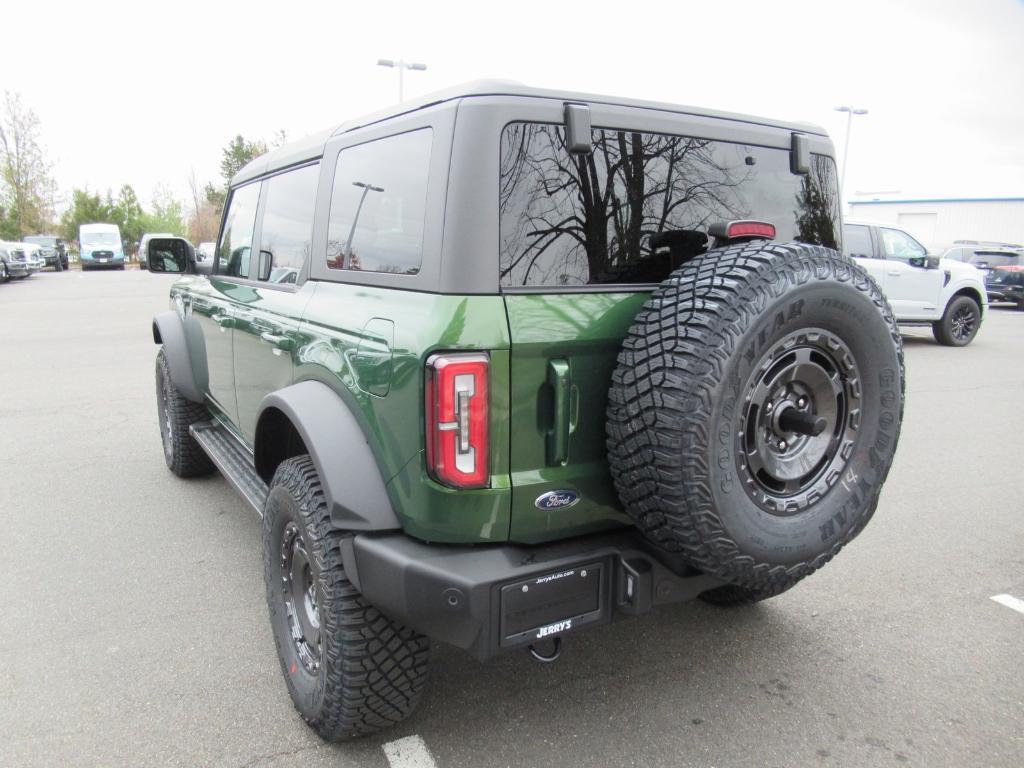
(948,295)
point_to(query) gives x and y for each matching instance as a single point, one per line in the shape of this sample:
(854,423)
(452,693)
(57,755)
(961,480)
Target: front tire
(183,454)
(350,671)
(959,324)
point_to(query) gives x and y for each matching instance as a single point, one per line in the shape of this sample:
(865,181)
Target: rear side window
(576,220)
(857,240)
(286,234)
(234,249)
(378,204)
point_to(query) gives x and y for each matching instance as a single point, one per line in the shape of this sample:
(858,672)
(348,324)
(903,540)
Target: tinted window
(286,234)
(956,254)
(899,245)
(994,259)
(378,204)
(233,252)
(857,240)
(588,219)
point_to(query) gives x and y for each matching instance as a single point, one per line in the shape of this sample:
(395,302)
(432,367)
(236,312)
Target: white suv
(923,290)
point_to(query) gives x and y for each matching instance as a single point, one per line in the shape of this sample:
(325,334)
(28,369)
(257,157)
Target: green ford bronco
(505,363)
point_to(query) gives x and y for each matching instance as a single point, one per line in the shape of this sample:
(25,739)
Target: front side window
(234,249)
(857,240)
(378,205)
(286,234)
(897,244)
(574,220)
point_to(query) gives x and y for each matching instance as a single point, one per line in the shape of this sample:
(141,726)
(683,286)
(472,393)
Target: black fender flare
(169,331)
(352,482)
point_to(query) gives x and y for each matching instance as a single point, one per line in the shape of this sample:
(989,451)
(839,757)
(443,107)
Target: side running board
(233,461)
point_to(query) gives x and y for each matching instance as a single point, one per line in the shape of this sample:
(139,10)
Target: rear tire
(700,454)
(183,454)
(959,324)
(350,670)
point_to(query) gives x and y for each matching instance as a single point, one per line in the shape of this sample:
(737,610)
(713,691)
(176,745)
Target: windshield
(101,238)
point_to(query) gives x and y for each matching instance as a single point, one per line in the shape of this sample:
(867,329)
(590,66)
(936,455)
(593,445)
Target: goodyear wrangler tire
(754,413)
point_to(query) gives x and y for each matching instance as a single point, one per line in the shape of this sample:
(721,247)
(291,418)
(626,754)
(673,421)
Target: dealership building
(937,222)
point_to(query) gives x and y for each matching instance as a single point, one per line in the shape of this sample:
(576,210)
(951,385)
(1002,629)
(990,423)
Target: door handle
(278,342)
(557,441)
(895,273)
(224,321)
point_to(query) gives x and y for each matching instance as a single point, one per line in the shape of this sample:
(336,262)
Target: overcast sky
(141,92)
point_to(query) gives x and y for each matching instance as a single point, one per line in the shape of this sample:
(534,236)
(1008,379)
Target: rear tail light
(457,415)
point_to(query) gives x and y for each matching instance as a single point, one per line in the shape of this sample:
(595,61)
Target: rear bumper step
(489,598)
(233,461)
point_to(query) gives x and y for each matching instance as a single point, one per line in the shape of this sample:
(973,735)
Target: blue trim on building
(941,200)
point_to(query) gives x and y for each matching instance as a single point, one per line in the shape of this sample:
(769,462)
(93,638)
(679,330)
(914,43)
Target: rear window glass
(378,204)
(997,259)
(857,240)
(573,220)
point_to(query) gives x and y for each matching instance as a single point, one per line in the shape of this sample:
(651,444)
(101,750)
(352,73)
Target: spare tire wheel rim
(798,421)
(299,590)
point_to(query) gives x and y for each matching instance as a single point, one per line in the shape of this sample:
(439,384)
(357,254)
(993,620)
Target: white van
(100,246)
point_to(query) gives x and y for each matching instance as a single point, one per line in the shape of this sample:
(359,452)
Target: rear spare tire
(754,413)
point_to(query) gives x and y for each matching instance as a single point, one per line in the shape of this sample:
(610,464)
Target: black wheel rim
(164,414)
(963,322)
(299,587)
(809,377)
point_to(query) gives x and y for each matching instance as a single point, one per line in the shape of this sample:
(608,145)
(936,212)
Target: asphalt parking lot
(134,629)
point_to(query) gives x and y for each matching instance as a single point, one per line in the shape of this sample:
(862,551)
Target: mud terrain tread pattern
(375,669)
(661,397)
(188,459)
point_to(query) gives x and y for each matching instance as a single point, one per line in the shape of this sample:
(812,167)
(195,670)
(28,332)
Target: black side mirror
(173,255)
(266,264)
(924,262)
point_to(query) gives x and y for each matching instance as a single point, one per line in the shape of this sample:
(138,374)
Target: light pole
(401,66)
(346,255)
(850,112)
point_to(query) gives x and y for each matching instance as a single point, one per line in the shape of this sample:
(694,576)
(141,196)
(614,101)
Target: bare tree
(29,187)
(592,214)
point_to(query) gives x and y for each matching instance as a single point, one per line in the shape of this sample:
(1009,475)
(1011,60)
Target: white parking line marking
(410,752)
(1010,602)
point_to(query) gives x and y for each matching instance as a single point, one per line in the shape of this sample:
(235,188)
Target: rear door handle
(224,321)
(896,273)
(557,442)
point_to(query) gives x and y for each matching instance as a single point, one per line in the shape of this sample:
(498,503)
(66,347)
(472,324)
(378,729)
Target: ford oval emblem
(556,500)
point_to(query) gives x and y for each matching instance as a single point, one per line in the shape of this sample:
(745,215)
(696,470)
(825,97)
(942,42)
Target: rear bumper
(489,598)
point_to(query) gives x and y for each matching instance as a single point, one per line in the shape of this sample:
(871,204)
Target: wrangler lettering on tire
(754,413)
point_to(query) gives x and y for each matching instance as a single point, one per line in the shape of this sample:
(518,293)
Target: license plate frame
(553,603)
